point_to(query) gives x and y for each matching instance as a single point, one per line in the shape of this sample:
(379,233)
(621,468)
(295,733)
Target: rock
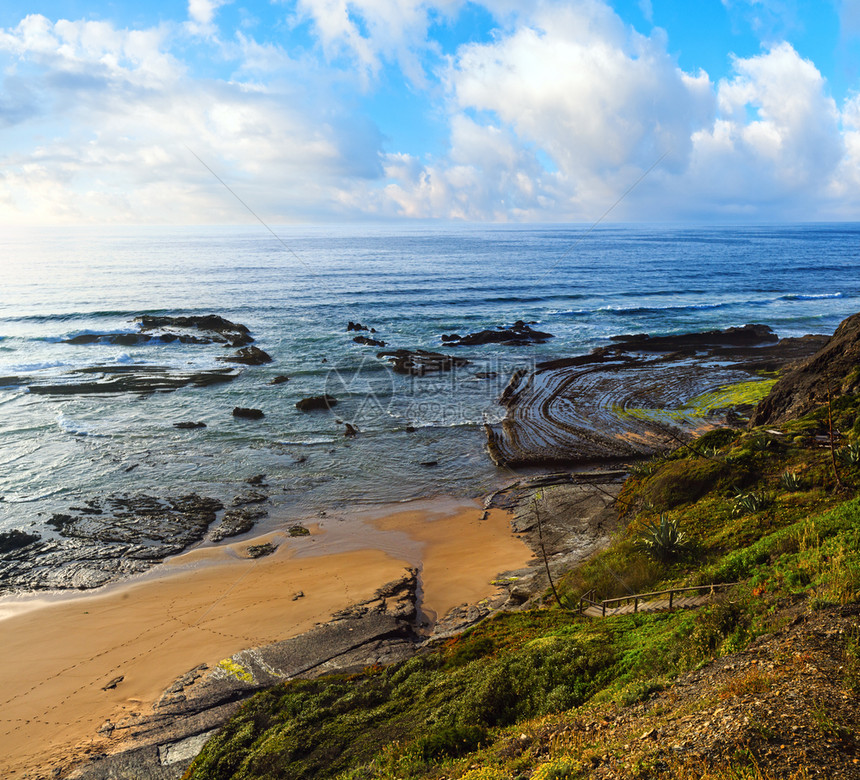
(351,430)
(214,327)
(356,326)
(236,522)
(410,429)
(429,463)
(802,389)
(261,550)
(129,535)
(15,540)
(249,356)
(279,380)
(299,530)
(251,497)
(299,595)
(257,479)
(519,334)
(419,361)
(113,683)
(368,341)
(748,335)
(189,425)
(316,402)
(248,414)
(132,379)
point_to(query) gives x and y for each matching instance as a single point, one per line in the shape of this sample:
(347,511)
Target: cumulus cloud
(574,85)
(777,136)
(130,113)
(373,31)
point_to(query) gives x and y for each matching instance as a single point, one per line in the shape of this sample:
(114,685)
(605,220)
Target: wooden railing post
(636,604)
(671,593)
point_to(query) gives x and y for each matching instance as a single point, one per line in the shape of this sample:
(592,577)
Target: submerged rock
(279,380)
(189,425)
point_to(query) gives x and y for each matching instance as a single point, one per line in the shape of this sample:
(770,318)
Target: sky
(374,110)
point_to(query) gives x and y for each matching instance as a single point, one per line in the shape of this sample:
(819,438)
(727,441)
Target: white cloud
(201,16)
(117,113)
(373,31)
(576,84)
(778,136)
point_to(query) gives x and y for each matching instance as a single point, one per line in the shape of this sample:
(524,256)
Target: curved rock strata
(628,399)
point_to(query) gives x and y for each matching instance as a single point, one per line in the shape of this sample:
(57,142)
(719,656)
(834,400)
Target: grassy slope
(470,707)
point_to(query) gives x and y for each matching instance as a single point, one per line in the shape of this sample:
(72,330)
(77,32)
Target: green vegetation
(497,701)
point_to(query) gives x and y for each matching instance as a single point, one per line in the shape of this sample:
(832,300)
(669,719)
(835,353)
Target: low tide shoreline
(71,665)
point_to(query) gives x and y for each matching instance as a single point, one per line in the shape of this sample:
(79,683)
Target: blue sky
(337,110)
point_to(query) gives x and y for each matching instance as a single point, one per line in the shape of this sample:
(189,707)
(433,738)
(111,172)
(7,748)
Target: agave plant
(746,503)
(851,454)
(663,540)
(791,481)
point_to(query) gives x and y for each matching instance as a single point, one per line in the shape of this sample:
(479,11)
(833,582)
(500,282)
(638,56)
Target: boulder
(279,380)
(369,341)
(316,402)
(248,414)
(249,356)
(189,425)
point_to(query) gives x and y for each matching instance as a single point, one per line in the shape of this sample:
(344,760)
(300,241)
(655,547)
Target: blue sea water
(412,284)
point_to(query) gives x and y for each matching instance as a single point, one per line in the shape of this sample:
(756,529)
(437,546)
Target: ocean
(297,293)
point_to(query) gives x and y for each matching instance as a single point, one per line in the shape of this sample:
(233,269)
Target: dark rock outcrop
(519,334)
(213,327)
(189,425)
(248,356)
(368,341)
(836,365)
(248,414)
(316,402)
(279,380)
(236,522)
(132,379)
(107,539)
(748,335)
(419,361)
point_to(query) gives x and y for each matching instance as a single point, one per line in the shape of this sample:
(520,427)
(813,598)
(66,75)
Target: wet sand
(57,657)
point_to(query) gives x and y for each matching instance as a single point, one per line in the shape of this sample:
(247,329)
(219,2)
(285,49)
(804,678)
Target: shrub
(662,540)
(791,481)
(451,741)
(747,503)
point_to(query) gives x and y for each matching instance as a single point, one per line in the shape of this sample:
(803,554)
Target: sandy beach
(67,666)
